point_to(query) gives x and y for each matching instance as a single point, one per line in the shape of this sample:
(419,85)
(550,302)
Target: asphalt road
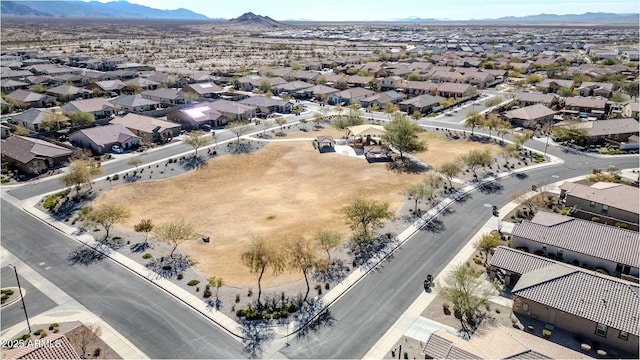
(157,324)
(35,301)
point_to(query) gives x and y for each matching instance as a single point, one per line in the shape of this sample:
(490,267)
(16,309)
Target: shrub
(250,293)
(53,326)
(602,271)
(564,211)
(292,308)
(284,314)
(240,313)
(50,202)
(116,237)
(575,262)
(546,333)
(497,311)
(115,177)
(97,352)
(595,218)
(147,256)
(237,298)
(7,292)
(327,286)
(180,276)
(193,282)
(37,332)
(620,224)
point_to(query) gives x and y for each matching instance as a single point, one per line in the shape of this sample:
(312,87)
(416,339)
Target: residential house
(33,156)
(31,119)
(267,105)
(198,117)
(454,90)
(610,202)
(528,99)
(585,106)
(494,341)
(204,90)
(317,91)
(64,93)
(142,83)
(508,264)
(52,70)
(301,75)
(381,99)
(546,61)
(349,96)
(27,99)
(613,249)
(553,85)
(134,103)
(445,76)
(93,76)
(102,139)
(7,73)
(532,116)
(610,131)
(422,103)
(390,82)
(52,346)
(99,108)
(112,87)
(362,81)
(123,74)
(234,111)
(293,87)
(479,79)
(70,79)
(166,97)
(9,85)
(592,305)
(418,87)
(150,130)
(589,88)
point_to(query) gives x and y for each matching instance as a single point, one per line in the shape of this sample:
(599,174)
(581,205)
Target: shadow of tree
(85,255)
(139,247)
(169,266)
(336,271)
(407,166)
(434,225)
(254,335)
(192,162)
(132,178)
(363,251)
(491,188)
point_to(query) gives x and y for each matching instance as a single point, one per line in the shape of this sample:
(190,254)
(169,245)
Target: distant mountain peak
(250,18)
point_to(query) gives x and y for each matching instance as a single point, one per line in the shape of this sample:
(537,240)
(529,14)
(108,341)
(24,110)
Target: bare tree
(259,257)
(175,233)
(475,158)
(416,192)
(450,170)
(106,215)
(84,335)
(302,257)
(135,162)
(327,240)
(196,139)
(80,172)
(239,128)
(144,226)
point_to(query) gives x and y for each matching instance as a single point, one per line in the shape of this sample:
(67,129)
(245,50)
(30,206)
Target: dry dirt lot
(441,150)
(286,189)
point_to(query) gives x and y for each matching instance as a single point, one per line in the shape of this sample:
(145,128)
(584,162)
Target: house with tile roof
(166,96)
(197,116)
(422,103)
(553,85)
(204,89)
(350,96)
(112,87)
(31,119)
(149,129)
(595,306)
(380,99)
(33,156)
(67,92)
(134,103)
(99,108)
(418,87)
(611,202)
(101,139)
(455,90)
(27,99)
(528,99)
(593,106)
(267,105)
(532,116)
(508,264)
(9,85)
(588,88)
(492,341)
(53,346)
(613,249)
(234,111)
(317,91)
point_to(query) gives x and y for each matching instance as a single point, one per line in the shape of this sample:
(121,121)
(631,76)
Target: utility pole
(24,307)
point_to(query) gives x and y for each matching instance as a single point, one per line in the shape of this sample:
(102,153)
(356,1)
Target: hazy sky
(391,9)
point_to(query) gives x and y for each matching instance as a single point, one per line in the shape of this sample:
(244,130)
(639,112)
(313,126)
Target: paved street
(34,299)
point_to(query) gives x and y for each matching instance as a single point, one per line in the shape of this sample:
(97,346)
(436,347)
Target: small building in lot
(101,139)
(33,156)
(150,130)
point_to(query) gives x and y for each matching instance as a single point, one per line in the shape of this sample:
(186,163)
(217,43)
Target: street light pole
(24,307)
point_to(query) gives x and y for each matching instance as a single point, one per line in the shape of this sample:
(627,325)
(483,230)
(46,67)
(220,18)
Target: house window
(601,330)
(559,253)
(624,335)
(592,204)
(605,208)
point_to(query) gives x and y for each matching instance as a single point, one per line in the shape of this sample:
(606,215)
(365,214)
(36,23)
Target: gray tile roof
(164,93)
(531,112)
(535,97)
(618,196)
(262,101)
(454,87)
(132,101)
(423,100)
(25,96)
(599,298)
(88,105)
(590,102)
(108,134)
(143,123)
(517,261)
(30,116)
(613,126)
(581,236)
(24,149)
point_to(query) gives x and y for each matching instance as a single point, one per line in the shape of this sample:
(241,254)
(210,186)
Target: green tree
(572,131)
(144,226)
(317,118)
(521,138)
(509,151)
(493,122)
(473,120)
(467,291)
(389,109)
(38,88)
(373,107)
(239,128)
(217,283)
(476,158)
(265,86)
(413,77)
(450,170)
(133,89)
(320,80)
(236,84)
(21,131)
(565,92)
(631,88)
(617,97)
(54,120)
(401,133)
(79,118)
(366,216)
(259,256)
(106,215)
(196,139)
(281,122)
(302,257)
(416,192)
(533,79)
(80,172)
(503,128)
(135,162)
(175,233)
(487,243)
(416,115)
(327,240)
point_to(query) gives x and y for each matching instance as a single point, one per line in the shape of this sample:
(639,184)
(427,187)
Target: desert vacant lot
(441,150)
(286,189)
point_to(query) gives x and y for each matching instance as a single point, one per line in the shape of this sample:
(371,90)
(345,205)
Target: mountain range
(256,20)
(598,18)
(114,9)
